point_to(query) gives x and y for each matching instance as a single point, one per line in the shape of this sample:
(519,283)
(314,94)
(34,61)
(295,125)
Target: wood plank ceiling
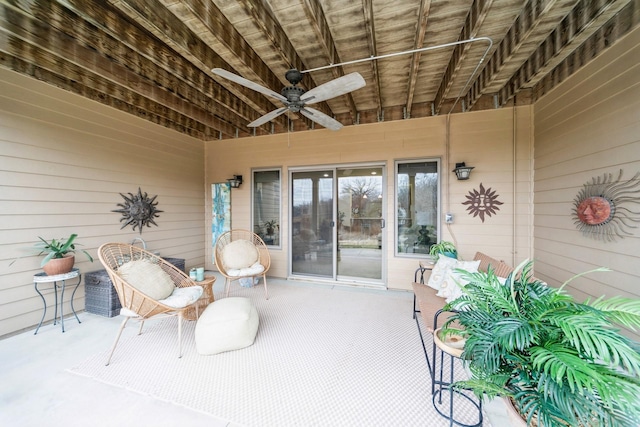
(153,58)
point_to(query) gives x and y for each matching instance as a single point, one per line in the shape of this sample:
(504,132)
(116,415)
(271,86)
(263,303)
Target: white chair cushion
(226,324)
(182,297)
(254,270)
(147,277)
(239,254)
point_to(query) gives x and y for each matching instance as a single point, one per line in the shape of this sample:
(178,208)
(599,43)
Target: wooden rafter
(35,38)
(475,18)
(367,9)
(315,14)
(623,22)
(584,20)
(536,19)
(154,17)
(421,30)
(231,40)
(262,17)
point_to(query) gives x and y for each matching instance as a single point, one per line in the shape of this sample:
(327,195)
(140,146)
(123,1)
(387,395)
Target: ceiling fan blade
(333,88)
(248,83)
(321,118)
(267,117)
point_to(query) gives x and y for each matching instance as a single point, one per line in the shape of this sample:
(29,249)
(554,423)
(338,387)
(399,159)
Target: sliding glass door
(312,223)
(360,223)
(337,221)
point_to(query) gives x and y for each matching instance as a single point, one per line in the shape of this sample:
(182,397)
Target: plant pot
(57,266)
(514,416)
(453,255)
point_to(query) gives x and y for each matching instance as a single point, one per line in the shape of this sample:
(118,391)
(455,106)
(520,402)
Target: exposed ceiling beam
(421,29)
(315,14)
(536,19)
(67,51)
(157,19)
(231,40)
(370,28)
(606,36)
(476,16)
(584,20)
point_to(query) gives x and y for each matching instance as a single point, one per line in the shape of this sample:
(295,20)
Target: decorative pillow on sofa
(440,270)
(148,278)
(450,288)
(239,254)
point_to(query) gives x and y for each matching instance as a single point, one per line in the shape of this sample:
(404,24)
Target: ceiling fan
(296,99)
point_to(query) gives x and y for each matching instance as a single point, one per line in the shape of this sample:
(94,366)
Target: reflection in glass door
(312,223)
(360,223)
(337,224)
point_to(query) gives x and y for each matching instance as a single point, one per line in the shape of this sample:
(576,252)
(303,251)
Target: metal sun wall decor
(482,202)
(600,209)
(138,210)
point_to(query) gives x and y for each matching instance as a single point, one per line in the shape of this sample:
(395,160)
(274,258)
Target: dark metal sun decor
(482,202)
(599,211)
(138,210)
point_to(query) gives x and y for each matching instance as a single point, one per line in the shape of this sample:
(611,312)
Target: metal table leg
(44,304)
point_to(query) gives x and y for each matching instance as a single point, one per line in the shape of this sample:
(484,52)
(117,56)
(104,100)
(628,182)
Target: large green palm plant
(561,362)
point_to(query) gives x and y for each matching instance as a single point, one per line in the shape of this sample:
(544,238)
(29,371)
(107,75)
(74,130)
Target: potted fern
(561,363)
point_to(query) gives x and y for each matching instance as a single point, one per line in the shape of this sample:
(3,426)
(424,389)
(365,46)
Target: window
(266,206)
(418,210)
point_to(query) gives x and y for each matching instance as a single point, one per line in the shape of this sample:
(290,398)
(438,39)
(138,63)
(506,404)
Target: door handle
(382,223)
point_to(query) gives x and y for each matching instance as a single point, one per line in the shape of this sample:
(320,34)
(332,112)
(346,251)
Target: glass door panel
(312,223)
(360,223)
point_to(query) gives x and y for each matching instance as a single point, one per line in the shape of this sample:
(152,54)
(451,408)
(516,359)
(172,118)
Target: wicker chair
(232,273)
(135,304)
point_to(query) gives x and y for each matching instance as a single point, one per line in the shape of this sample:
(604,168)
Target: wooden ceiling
(153,58)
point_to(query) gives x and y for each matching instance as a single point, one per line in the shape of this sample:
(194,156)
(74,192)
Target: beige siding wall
(497,143)
(63,162)
(586,127)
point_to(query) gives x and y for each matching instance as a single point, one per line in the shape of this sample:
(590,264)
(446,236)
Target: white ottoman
(226,324)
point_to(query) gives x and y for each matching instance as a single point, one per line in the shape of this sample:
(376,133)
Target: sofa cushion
(147,277)
(239,254)
(440,270)
(451,287)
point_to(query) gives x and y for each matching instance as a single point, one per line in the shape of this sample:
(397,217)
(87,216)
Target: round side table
(41,278)
(452,346)
(206,298)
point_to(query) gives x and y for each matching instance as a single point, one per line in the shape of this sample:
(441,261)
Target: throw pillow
(440,270)
(451,287)
(147,277)
(239,254)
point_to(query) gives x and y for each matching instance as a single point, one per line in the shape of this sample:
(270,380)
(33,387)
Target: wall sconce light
(462,171)
(235,181)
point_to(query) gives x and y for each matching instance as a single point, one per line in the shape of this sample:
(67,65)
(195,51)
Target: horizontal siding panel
(63,162)
(588,126)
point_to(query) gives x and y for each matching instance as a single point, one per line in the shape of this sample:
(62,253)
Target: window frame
(256,226)
(396,204)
